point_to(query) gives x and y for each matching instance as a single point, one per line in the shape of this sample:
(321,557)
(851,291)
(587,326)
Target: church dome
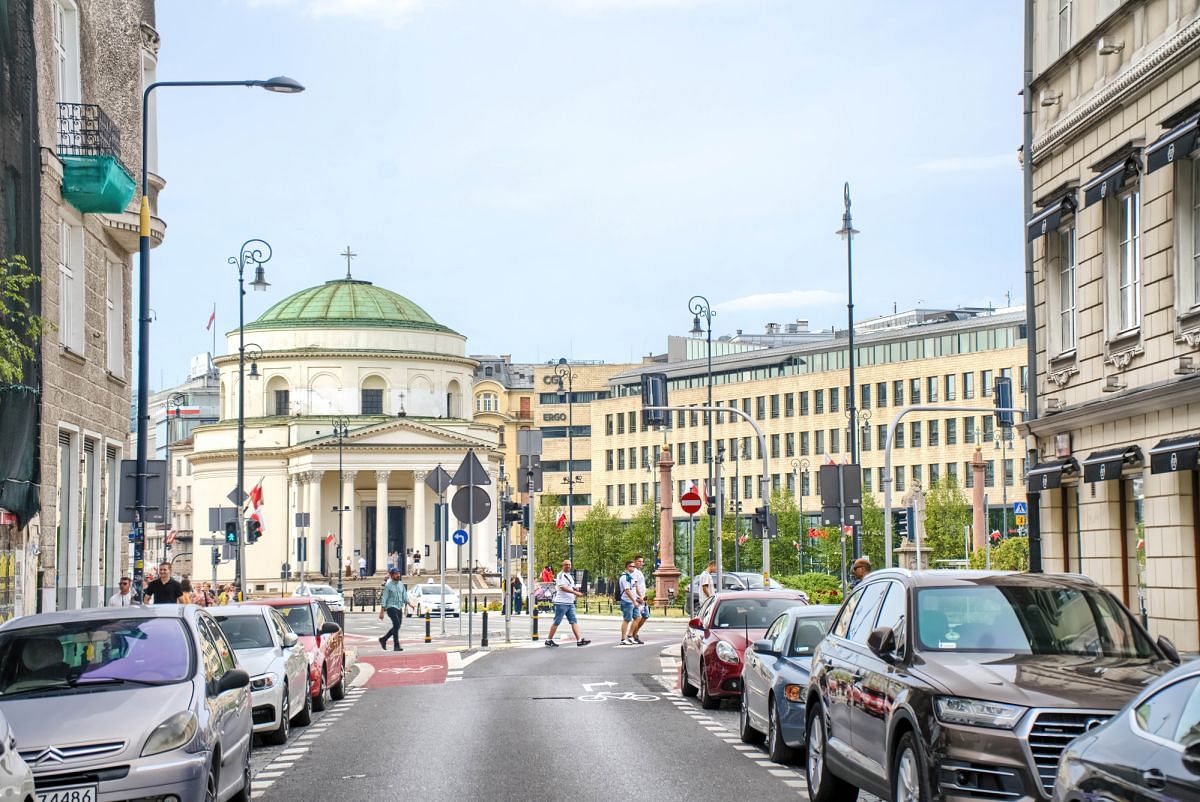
(347,303)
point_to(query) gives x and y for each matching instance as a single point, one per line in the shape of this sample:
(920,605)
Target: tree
(1010,554)
(872,530)
(549,542)
(19,328)
(946,513)
(640,534)
(597,542)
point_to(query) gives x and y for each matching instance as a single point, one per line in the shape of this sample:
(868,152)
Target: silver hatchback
(127,703)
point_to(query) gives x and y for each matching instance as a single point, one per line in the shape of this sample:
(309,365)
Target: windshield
(808,633)
(153,651)
(434,590)
(751,613)
(246,631)
(320,590)
(1026,620)
(299,619)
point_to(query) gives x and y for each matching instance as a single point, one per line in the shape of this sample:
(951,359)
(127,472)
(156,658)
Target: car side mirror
(1168,648)
(330,628)
(695,624)
(1191,758)
(765,647)
(882,643)
(233,679)
(290,639)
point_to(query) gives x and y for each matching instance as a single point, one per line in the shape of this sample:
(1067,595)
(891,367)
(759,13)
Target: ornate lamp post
(341,427)
(699,306)
(174,402)
(847,232)
(563,371)
(800,467)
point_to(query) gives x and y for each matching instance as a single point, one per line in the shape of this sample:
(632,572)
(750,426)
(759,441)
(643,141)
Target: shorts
(627,610)
(561,610)
(645,611)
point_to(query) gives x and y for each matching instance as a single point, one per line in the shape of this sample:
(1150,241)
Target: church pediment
(406,433)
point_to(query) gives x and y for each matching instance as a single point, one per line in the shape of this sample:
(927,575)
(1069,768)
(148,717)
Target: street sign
(438,480)
(303,520)
(1019,508)
(218,517)
(471,472)
(841,494)
(468,511)
(459,537)
(156,491)
(690,502)
(232,495)
(529,441)
(1019,520)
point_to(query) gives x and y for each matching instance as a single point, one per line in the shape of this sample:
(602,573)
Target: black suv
(967,684)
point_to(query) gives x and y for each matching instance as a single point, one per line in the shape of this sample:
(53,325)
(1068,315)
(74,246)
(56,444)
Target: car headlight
(727,653)
(262,682)
(173,733)
(977,713)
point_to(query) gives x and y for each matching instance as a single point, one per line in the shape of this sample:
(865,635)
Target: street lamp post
(341,426)
(175,401)
(279,84)
(699,306)
(256,252)
(847,231)
(563,371)
(800,466)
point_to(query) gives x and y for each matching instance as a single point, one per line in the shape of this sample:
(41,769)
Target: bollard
(483,643)
(428,636)
(535,618)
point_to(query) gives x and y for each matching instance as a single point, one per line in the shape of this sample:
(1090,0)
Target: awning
(1048,219)
(1103,466)
(1175,454)
(1175,144)
(1110,181)
(1048,475)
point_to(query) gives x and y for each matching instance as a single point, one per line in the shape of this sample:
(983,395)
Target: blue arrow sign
(1019,508)
(459,537)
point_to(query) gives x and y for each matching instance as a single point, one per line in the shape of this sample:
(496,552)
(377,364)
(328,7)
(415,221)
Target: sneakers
(626,642)
(639,641)
(383,642)
(550,642)
(398,648)
(583,642)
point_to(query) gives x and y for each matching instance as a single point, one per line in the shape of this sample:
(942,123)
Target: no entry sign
(690,502)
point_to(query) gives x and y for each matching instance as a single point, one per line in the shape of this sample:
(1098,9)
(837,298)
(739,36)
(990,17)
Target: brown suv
(966,684)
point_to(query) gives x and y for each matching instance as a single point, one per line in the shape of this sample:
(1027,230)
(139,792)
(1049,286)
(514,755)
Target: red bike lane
(397,669)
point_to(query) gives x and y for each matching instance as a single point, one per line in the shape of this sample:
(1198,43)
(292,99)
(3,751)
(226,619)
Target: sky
(558,177)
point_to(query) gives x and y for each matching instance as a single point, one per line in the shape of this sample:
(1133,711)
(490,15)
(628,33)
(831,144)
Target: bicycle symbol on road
(612,696)
(408,669)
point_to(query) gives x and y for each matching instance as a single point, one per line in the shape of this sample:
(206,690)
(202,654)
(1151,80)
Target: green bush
(493,606)
(821,588)
(1010,554)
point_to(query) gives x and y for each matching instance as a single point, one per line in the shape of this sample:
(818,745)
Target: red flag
(211,318)
(256,503)
(330,538)
(562,520)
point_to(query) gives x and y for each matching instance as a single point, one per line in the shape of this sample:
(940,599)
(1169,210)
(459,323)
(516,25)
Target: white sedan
(427,598)
(326,593)
(16,779)
(273,655)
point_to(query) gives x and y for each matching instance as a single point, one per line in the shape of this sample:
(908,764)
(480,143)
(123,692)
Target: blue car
(774,677)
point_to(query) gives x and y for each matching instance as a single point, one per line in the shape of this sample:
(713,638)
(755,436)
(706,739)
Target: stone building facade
(1115,230)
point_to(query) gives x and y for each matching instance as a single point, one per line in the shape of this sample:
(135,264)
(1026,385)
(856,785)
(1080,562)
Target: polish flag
(703,488)
(211,318)
(330,538)
(256,504)
(562,520)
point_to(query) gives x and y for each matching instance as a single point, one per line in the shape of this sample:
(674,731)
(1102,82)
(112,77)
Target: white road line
(365,672)
(795,783)
(744,748)
(783,772)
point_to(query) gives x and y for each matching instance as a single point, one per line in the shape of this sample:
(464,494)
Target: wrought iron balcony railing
(85,130)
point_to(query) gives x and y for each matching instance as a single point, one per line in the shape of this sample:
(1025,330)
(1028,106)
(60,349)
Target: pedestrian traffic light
(499,548)
(763,525)
(1003,394)
(216,556)
(902,523)
(525,516)
(231,532)
(514,512)
(712,508)
(253,530)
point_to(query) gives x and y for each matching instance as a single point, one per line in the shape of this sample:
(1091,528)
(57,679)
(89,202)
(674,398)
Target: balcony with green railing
(89,145)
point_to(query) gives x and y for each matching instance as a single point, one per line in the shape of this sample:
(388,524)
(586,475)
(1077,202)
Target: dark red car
(716,640)
(312,620)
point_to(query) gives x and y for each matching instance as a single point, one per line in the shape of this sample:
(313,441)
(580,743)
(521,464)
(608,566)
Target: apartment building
(1117,303)
(504,396)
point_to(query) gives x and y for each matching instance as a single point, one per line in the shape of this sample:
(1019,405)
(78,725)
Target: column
(297,500)
(316,512)
(420,523)
(666,576)
(980,533)
(349,543)
(381,519)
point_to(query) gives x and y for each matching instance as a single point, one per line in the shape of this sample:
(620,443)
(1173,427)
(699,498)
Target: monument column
(979,524)
(349,543)
(381,520)
(666,576)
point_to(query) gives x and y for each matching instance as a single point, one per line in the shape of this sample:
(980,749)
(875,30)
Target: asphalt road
(518,722)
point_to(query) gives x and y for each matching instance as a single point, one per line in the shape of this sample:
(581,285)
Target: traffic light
(903,522)
(525,516)
(514,512)
(1003,394)
(764,524)
(216,556)
(231,532)
(499,548)
(253,530)
(712,508)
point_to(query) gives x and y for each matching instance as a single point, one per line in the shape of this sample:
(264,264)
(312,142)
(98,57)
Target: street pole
(718,458)
(176,400)
(698,305)
(799,468)
(444,522)
(529,545)
(340,427)
(691,564)
(737,519)
(847,231)
(1033,500)
(563,371)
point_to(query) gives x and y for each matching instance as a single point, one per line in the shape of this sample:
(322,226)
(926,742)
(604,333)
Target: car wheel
(338,691)
(685,685)
(304,717)
(210,786)
(243,794)
(321,700)
(908,772)
(777,750)
(280,734)
(745,728)
(823,785)
(707,700)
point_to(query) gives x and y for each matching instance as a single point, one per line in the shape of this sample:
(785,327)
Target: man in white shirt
(565,593)
(124,596)
(641,610)
(706,582)
(362,567)
(628,599)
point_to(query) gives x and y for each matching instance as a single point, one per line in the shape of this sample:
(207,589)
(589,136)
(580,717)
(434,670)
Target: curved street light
(800,466)
(699,306)
(563,371)
(341,428)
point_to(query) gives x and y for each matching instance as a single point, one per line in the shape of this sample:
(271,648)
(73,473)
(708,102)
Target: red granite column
(666,576)
(979,524)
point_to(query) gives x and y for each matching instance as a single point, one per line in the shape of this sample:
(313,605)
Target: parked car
(428,598)
(127,703)
(326,593)
(274,657)
(716,638)
(311,619)
(775,673)
(967,683)
(1149,750)
(735,580)
(16,778)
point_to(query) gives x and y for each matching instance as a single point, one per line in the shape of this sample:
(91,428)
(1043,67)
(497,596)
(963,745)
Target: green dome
(347,303)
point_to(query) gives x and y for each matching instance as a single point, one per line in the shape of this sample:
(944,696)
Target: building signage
(554,416)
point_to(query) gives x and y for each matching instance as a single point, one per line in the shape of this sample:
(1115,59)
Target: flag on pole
(256,503)
(562,520)
(330,538)
(211,318)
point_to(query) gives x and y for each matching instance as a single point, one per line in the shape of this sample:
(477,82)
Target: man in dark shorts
(163,590)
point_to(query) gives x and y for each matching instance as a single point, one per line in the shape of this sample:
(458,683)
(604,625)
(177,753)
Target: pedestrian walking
(707,582)
(362,567)
(641,610)
(164,589)
(859,568)
(517,588)
(565,594)
(416,563)
(124,595)
(395,598)
(628,599)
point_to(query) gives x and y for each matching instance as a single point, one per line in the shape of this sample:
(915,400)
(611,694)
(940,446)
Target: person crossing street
(628,599)
(395,597)
(641,610)
(565,594)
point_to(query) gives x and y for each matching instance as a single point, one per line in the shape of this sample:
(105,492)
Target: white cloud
(780,300)
(633,5)
(970,164)
(388,12)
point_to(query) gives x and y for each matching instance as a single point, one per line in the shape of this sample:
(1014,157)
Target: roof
(99,614)
(290,601)
(950,578)
(347,303)
(775,593)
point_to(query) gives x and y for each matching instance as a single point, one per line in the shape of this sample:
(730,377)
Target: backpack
(618,593)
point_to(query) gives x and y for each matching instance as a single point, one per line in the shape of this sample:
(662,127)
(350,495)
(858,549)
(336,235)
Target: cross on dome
(349,254)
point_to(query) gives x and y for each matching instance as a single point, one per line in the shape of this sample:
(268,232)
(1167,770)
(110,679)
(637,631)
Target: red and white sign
(689,502)
(183,412)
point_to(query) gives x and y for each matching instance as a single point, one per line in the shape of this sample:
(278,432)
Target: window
(1060,252)
(914,391)
(881,437)
(632,421)
(989,473)
(933,433)
(985,383)
(866,479)
(882,477)
(864,393)
(931,390)
(951,431)
(695,451)
(487,402)
(898,393)
(968,386)
(935,473)
(283,402)
(747,486)
(970,474)
(1187,247)
(949,387)
(789,405)
(820,442)
(1008,473)
(914,434)
(989,428)
(952,472)
(1124,227)
(760,407)
(633,498)
(968,430)
(789,444)
(621,422)
(898,441)
(372,402)
(819,401)
(804,483)
(775,446)
(1064,26)
(804,444)
(899,476)
(608,424)
(834,399)
(916,474)
(66,51)
(804,402)
(1173,713)
(620,459)
(114,309)
(892,613)
(775,406)
(835,441)
(608,460)
(72,286)
(620,495)
(1024,374)
(863,620)
(881,394)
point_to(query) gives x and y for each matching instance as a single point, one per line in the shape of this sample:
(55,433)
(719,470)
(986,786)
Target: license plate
(75,793)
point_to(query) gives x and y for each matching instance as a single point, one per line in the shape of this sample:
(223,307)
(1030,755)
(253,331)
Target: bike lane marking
(394,670)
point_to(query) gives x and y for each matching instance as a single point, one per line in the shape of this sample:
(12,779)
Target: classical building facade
(1114,232)
(343,349)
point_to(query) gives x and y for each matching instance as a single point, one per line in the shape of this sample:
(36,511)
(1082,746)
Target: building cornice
(1138,401)
(288,452)
(344,353)
(1136,79)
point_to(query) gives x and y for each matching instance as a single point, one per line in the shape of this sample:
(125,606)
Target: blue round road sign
(459,537)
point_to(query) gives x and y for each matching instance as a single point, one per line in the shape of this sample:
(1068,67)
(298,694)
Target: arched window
(453,399)
(487,402)
(279,397)
(488,371)
(371,393)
